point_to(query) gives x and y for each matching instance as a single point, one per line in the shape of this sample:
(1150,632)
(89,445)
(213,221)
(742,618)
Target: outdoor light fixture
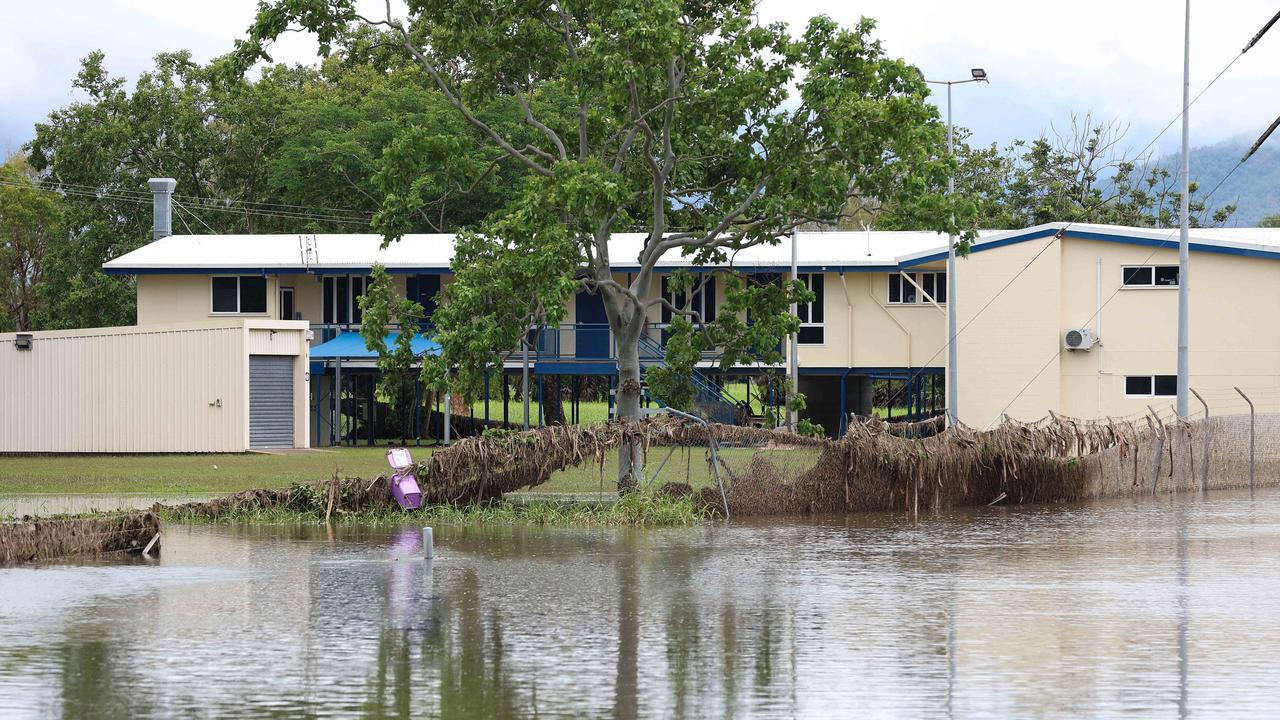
(22,342)
(978,74)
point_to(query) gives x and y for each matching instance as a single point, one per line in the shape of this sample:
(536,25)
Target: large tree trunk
(552,401)
(627,324)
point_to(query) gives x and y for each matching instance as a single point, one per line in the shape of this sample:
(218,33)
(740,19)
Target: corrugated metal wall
(174,388)
(271,401)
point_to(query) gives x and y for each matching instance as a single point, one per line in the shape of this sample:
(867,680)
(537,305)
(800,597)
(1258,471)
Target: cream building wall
(1012,357)
(181,387)
(1009,340)
(1235,340)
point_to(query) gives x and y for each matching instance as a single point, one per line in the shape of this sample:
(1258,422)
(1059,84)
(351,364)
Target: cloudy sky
(1117,58)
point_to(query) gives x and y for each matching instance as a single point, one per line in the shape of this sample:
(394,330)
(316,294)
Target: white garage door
(271,401)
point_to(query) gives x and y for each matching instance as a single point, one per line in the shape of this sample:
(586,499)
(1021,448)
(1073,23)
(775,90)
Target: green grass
(183,474)
(223,474)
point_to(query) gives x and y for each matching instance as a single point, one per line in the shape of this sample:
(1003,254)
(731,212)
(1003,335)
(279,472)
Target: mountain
(1254,187)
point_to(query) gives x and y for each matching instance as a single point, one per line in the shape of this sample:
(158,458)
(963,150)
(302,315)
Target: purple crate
(404,484)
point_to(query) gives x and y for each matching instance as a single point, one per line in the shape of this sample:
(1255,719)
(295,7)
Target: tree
(689,120)
(383,309)
(1081,175)
(1270,221)
(30,224)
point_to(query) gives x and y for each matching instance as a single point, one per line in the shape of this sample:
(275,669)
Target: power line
(200,201)
(102,195)
(1113,294)
(197,217)
(1062,232)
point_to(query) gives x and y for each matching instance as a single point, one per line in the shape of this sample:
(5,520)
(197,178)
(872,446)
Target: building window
(812,313)
(1149,276)
(1150,385)
(342,299)
(703,302)
(239,294)
(903,292)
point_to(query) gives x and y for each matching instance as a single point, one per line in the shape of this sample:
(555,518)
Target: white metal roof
(876,248)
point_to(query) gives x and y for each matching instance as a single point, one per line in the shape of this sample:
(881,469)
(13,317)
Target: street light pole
(953,354)
(1184,241)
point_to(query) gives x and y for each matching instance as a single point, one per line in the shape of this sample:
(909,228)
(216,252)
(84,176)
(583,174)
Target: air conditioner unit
(1078,339)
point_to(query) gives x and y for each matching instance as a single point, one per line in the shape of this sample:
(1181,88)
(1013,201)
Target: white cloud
(1118,58)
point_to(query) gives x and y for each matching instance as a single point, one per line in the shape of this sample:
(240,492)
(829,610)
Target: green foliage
(1270,221)
(808,428)
(1081,176)
(30,227)
(383,308)
(694,122)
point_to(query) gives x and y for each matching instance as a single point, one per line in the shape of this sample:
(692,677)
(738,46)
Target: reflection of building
(1074,318)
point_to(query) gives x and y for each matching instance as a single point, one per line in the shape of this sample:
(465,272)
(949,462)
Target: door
(593,327)
(271,401)
(286,303)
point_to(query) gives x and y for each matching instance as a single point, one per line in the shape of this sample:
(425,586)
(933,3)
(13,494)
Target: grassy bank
(221,474)
(647,509)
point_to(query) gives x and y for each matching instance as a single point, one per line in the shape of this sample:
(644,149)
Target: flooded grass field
(1137,608)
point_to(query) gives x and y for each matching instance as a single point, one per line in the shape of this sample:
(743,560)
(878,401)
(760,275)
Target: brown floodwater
(1166,607)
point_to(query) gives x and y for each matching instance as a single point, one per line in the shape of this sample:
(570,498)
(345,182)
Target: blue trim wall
(1170,242)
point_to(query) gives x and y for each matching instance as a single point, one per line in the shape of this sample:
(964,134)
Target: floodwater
(1165,607)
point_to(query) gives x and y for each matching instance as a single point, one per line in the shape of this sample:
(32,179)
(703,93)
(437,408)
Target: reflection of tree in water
(460,659)
(468,653)
(626,685)
(95,684)
(394,660)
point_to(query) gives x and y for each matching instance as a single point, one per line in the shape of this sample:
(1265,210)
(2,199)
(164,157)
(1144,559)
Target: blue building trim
(1169,242)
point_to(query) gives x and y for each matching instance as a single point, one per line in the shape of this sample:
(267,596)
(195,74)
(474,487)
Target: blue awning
(350,346)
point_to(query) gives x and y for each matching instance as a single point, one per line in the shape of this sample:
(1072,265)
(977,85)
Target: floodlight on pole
(953,355)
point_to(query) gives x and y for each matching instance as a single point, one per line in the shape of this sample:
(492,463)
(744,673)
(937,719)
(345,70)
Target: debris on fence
(40,539)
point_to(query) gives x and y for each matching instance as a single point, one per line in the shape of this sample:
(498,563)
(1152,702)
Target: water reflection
(1147,608)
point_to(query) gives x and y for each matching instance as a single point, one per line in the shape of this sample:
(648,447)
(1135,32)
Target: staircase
(709,399)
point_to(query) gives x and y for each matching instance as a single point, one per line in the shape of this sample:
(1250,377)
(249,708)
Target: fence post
(711,446)
(1155,461)
(1246,399)
(1204,462)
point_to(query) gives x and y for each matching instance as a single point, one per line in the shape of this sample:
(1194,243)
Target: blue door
(593,327)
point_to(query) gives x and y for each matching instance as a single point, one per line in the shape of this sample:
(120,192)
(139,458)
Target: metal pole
(335,429)
(524,343)
(794,370)
(1246,399)
(715,460)
(953,355)
(448,408)
(1184,242)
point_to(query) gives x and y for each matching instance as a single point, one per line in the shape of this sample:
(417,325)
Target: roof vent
(161,206)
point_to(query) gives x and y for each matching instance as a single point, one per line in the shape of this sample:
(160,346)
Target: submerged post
(1246,399)
(428,549)
(1204,462)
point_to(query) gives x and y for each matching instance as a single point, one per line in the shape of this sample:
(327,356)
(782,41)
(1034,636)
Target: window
(903,292)
(811,313)
(342,299)
(1149,276)
(1151,385)
(703,302)
(239,294)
